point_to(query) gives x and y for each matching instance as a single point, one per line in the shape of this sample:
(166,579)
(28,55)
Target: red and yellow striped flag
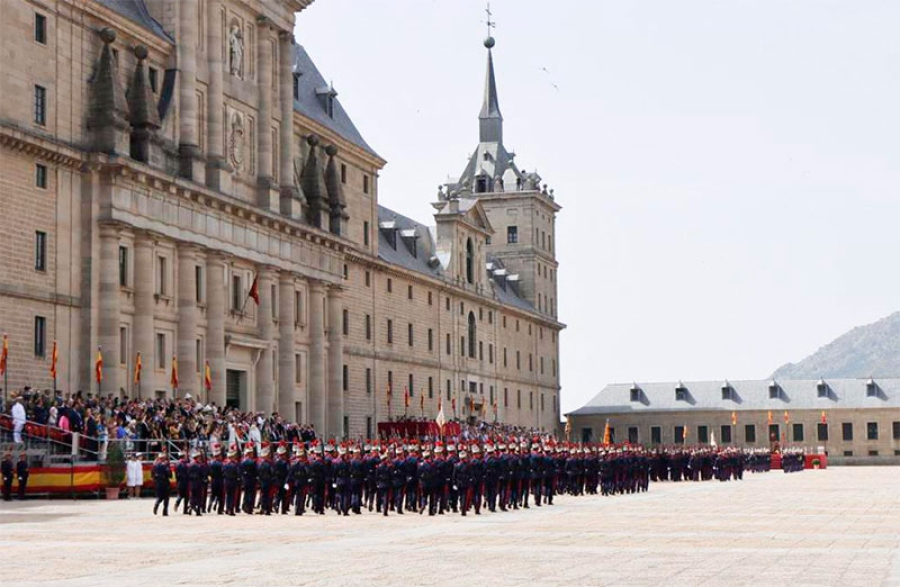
(734,418)
(4,355)
(98,366)
(138,367)
(54,357)
(207,377)
(173,380)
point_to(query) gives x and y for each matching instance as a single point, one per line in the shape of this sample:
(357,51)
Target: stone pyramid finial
(336,199)
(142,112)
(312,182)
(108,118)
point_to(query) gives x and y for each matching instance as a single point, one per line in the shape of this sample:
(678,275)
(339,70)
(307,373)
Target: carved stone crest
(236,141)
(236,50)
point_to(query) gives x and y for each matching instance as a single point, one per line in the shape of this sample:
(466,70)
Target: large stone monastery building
(159,157)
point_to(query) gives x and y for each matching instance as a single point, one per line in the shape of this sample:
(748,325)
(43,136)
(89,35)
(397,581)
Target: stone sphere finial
(107,35)
(312,140)
(331,150)
(141,52)
(490,42)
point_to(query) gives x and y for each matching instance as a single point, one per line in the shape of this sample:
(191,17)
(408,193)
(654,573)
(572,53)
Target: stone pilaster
(265,381)
(215,325)
(287,366)
(335,362)
(264,159)
(109,319)
(317,406)
(188,123)
(143,325)
(187,321)
(291,202)
(218,171)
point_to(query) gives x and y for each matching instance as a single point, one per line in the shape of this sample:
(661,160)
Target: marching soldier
(299,479)
(249,470)
(217,485)
(265,474)
(6,470)
(22,474)
(230,475)
(282,470)
(182,480)
(162,475)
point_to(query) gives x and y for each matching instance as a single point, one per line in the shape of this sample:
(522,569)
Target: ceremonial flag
(568,427)
(421,401)
(495,407)
(712,439)
(98,365)
(207,377)
(440,404)
(254,289)
(4,355)
(138,367)
(734,418)
(824,418)
(440,419)
(173,380)
(770,417)
(54,357)
(787,418)
(685,435)
(606,433)
(453,405)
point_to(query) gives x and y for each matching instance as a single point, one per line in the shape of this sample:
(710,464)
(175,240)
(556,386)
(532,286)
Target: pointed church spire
(490,121)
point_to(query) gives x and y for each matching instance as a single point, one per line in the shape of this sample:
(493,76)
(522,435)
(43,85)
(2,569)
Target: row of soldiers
(706,463)
(405,477)
(792,460)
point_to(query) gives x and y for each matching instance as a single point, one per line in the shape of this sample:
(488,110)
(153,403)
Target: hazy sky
(728,170)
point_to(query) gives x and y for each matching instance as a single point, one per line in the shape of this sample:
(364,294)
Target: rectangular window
(409,331)
(40,176)
(368,279)
(679,435)
(40,105)
(518,361)
(822,432)
(365,184)
(531,400)
(298,366)
(491,353)
(346,378)
(199,285)
(237,293)
(368,380)
(530,363)
(448,343)
(40,28)
(366,234)
(798,432)
(703,434)
(123,266)
(655,435)
(346,321)
(871,430)
(40,251)
(40,336)
(512,234)
(430,340)
(368,426)
(480,350)
(449,392)
(390,285)
(390,332)
(411,386)
(160,350)
(504,357)
(505,397)
(895,428)
(542,365)
(391,380)
(123,344)
(447,300)
(198,356)
(298,308)
(847,431)
(346,272)
(462,346)
(519,398)
(409,292)
(343,173)
(296,86)
(430,299)
(633,434)
(725,434)
(750,433)
(154,79)
(430,387)
(368,327)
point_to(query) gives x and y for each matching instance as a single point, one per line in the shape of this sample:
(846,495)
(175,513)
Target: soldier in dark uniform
(443,476)
(161,473)
(22,474)
(217,485)
(282,468)
(7,471)
(182,480)
(265,473)
(411,466)
(340,475)
(230,475)
(398,481)
(317,480)
(384,474)
(515,475)
(452,491)
(476,473)
(536,464)
(197,481)
(357,479)
(204,488)
(462,481)
(370,463)
(248,479)
(491,468)
(429,478)
(299,479)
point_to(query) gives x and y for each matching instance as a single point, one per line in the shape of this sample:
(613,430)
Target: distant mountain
(871,350)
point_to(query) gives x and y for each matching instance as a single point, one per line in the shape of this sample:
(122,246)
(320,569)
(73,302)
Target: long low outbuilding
(855,421)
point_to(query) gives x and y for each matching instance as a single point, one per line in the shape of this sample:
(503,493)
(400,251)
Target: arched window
(472,337)
(470,261)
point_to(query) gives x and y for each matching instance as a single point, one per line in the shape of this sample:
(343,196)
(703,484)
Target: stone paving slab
(840,526)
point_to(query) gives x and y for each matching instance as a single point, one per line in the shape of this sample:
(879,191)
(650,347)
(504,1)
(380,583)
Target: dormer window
(327,97)
(727,391)
(635,393)
(871,388)
(774,390)
(297,86)
(681,393)
(821,388)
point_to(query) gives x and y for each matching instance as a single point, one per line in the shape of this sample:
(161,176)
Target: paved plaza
(817,528)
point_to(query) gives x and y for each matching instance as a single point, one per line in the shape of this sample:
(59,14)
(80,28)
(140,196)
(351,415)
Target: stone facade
(161,157)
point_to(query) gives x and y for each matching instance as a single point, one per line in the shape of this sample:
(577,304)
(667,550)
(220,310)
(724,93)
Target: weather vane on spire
(490,23)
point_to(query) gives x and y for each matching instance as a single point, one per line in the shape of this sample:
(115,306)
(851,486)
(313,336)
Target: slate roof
(136,10)
(309,103)
(403,257)
(747,395)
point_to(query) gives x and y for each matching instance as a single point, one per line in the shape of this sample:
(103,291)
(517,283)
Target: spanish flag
(54,357)
(734,418)
(254,289)
(824,418)
(207,377)
(4,355)
(787,417)
(138,367)
(606,433)
(770,417)
(98,366)
(174,379)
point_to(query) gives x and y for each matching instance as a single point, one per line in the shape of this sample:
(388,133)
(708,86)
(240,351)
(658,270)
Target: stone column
(109,319)
(264,128)
(317,356)
(187,320)
(290,195)
(218,172)
(188,123)
(287,366)
(215,325)
(335,362)
(143,327)
(265,382)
